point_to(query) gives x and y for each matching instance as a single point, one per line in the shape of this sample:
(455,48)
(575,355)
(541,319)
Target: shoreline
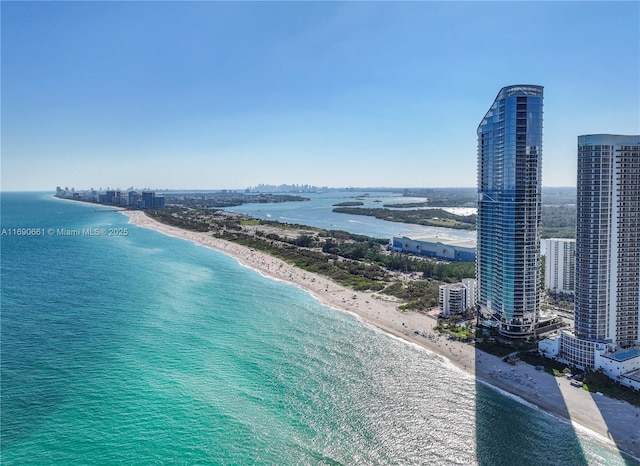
(614,422)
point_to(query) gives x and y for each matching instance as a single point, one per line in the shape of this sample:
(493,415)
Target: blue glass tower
(509,203)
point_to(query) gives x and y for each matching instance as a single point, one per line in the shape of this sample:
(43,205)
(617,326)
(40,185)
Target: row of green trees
(371,250)
(354,274)
(361,263)
(188,219)
(558,221)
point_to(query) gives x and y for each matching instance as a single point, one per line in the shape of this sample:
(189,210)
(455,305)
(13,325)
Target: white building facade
(560,264)
(607,291)
(471,285)
(453,297)
(607,270)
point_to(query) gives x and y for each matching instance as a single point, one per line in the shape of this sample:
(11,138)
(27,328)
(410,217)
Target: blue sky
(218,95)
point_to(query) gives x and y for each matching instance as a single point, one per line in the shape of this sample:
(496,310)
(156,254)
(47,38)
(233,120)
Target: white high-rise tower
(608,239)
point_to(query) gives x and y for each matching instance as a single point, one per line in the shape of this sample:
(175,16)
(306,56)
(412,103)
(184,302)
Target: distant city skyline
(227,95)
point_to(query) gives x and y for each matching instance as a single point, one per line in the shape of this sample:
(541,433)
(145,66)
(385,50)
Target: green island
(557,221)
(428,217)
(348,204)
(407,205)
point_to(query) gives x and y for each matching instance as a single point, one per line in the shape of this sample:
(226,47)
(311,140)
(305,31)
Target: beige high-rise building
(608,239)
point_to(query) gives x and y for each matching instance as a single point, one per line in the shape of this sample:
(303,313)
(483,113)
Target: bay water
(318,212)
(121,345)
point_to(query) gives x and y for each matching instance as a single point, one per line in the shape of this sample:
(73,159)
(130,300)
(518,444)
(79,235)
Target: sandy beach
(614,421)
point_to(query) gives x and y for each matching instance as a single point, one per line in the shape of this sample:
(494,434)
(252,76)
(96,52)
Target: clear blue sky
(232,94)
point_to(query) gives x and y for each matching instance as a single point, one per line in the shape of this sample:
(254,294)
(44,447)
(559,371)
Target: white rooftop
(462,243)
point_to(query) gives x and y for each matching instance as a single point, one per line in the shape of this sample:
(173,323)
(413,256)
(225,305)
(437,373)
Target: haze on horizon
(226,95)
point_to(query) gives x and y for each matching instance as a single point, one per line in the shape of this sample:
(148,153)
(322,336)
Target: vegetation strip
(428,217)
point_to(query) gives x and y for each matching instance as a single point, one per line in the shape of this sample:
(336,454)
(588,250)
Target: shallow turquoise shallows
(146,349)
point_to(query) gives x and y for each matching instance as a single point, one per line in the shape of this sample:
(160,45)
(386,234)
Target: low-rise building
(621,364)
(455,298)
(450,250)
(452,297)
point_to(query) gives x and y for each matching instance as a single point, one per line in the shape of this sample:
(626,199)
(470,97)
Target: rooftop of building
(460,243)
(521,89)
(609,139)
(623,355)
(453,286)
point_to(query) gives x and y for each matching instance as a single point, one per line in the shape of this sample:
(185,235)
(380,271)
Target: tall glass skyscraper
(509,203)
(608,239)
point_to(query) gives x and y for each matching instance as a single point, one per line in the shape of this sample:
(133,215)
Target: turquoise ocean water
(146,349)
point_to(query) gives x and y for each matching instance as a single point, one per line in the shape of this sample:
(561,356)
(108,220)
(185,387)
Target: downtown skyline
(229,95)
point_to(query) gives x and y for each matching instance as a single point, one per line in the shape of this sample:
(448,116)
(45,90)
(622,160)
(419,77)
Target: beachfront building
(150,200)
(471,286)
(135,199)
(453,250)
(607,278)
(608,239)
(455,298)
(621,365)
(560,263)
(509,202)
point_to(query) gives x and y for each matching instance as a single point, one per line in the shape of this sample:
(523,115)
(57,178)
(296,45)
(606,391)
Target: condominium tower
(607,288)
(509,182)
(560,264)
